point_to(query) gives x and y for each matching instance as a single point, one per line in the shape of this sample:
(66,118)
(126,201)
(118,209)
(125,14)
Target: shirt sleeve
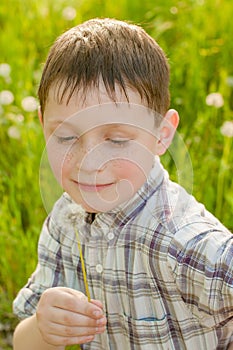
(48,273)
(201,258)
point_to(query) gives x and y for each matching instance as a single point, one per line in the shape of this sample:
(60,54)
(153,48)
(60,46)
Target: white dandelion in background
(19,118)
(227,129)
(15,118)
(174,10)
(29,104)
(69,13)
(13,132)
(178,100)
(5,70)
(214,99)
(6,97)
(229,81)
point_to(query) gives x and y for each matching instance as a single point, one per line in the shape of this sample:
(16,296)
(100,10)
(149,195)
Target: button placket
(110,236)
(99,268)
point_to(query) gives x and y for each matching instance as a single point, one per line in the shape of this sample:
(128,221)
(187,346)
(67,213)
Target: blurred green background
(197,38)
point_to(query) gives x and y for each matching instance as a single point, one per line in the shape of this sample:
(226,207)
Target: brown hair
(116,52)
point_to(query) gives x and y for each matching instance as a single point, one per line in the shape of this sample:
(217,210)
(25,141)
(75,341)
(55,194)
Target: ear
(167,131)
(40,116)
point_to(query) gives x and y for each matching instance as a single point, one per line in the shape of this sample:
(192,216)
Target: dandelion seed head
(229,81)
(15,118)
(19,118)
(6,97)
(44,11)
(37,75)
(69,13)
(5,70)
(197,139)
(178,101)
(215,99)
(75,211)
(29,104)
(174,10)
(227,129)
(13,132)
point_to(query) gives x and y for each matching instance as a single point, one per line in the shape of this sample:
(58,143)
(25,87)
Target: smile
(93,188)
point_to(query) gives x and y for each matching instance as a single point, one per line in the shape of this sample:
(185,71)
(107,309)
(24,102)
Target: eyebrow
(111,125)
(56,122)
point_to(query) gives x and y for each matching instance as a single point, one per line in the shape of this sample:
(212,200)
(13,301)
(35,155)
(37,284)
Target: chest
(131,279)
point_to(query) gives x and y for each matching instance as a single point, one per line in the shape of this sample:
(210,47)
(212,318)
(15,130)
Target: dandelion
(15,118)
(227,129)
(44,11)
(74,211)
(229,81)
(37,75)
(174,10)
(197,139)
(215,99)
(6,97)
(29,104)
(178,101)
(69,13)
(13,132)
(5,70)
(19,118)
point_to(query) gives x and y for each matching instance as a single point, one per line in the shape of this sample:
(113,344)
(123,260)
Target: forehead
(97,109)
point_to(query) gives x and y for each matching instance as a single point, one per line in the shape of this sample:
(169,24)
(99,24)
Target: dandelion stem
(76,347)
(83,266)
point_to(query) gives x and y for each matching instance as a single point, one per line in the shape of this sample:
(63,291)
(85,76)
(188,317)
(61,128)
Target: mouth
(93,187)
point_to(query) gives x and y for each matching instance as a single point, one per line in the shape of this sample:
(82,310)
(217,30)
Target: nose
(89,157)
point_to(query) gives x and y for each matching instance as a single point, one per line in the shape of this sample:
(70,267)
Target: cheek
(60,161)
(136,164)
(130,171)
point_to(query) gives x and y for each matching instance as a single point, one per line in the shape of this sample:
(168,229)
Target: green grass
(197,37)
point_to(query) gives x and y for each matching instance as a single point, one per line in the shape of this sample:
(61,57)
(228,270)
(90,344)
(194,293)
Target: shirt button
(110,236)
(105,228)
(99,268)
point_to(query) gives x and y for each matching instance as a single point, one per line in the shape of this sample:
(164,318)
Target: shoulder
(181,218)
(199,238)
(182,211)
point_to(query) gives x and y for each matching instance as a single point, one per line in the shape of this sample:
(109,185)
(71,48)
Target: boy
(158,266)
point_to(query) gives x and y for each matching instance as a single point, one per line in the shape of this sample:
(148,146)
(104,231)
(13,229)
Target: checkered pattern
(161,264)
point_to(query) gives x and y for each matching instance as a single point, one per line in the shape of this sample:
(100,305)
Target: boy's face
(100,152)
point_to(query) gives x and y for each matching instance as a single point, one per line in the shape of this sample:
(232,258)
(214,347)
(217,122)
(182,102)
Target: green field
(196,36)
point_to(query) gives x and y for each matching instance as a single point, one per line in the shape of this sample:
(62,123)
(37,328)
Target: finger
(97,303)
(57,340)
(75,301)
(75,331)
(70,318)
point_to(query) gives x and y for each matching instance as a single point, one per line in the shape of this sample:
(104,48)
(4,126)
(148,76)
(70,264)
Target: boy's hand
(65,317)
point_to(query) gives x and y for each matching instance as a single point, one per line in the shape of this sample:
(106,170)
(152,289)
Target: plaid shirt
(160,263)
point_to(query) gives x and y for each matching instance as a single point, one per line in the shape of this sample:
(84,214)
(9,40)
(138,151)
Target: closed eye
(119,142)
(66,139)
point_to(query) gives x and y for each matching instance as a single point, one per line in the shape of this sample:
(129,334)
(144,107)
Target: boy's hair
(116,52)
